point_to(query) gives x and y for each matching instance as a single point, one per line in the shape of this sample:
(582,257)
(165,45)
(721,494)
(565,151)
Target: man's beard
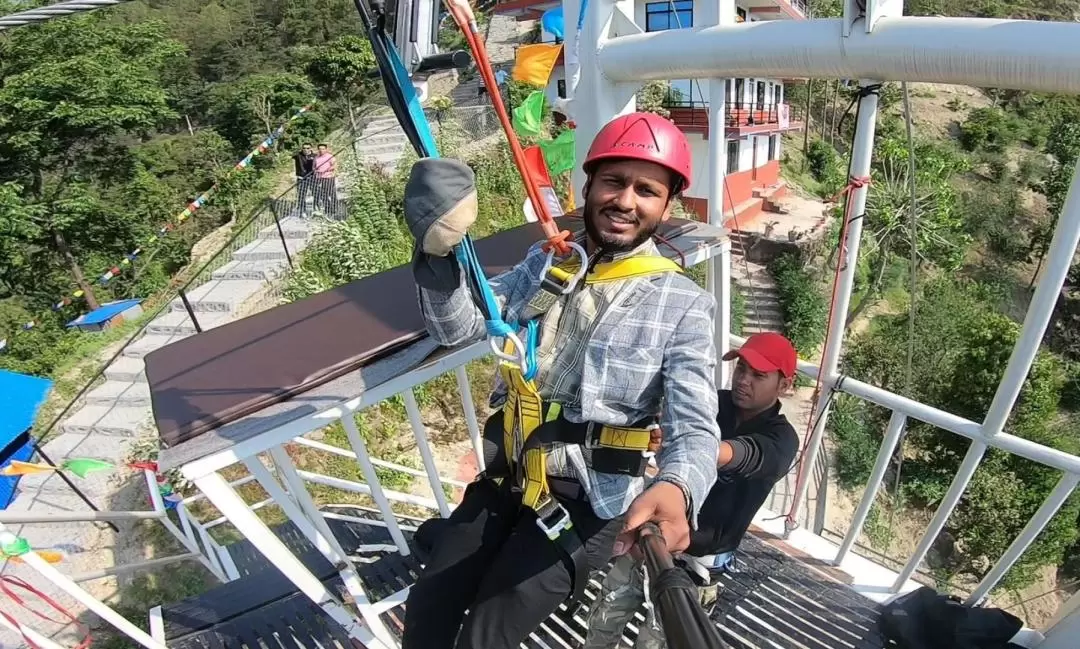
(605,242)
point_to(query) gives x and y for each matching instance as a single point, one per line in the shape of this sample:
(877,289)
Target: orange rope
(853,184)
(555,239)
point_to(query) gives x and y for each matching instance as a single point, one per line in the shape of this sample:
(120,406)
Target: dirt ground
(932,107)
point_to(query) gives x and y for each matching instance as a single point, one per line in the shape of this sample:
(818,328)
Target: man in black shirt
(758,448)
(304,163)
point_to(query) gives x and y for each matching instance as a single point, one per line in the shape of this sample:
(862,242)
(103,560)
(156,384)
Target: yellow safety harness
(529,423)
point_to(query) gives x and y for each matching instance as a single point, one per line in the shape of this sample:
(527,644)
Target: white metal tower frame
(875,46)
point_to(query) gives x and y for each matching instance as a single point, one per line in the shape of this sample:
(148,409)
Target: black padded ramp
(206,380)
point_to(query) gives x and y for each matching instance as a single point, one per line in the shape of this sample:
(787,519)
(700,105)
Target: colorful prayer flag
(559,153)
(529,116)
(534,63)
(25,468)
(82,466)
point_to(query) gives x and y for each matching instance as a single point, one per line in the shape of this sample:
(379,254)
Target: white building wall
(699,150)
(762,145)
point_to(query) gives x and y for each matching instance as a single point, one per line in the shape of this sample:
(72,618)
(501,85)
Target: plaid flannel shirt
(651,350)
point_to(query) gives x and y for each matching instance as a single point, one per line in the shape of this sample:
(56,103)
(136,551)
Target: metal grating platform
(775,600)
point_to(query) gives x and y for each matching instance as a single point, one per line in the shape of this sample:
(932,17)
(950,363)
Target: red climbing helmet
(643,136)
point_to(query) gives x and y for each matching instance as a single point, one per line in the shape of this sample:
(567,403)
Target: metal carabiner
(548,262)
(520,358)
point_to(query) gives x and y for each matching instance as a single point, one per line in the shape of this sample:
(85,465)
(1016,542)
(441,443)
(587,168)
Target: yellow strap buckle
(617,437)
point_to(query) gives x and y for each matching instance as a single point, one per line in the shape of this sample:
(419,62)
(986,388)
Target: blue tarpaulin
(20,398)
(104,313)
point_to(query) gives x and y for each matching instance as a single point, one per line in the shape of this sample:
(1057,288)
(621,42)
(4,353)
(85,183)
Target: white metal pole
(598,100)
(571,43)
(722,332)
(372,478)
(295,512)
(877,474)
(723,13)
(29,634)
(307,506)
(86,599)
(941,516)
(467,405)
(1058,260)
(230,504)
(412,409)
(208,546)
(185,538)
(861,151)
(1064,633)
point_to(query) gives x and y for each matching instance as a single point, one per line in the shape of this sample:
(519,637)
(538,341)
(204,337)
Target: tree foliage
(111,122)
(961,349)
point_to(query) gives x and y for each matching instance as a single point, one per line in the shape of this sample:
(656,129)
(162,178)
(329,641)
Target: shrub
(653,97)
(987,128)
(825,166)
(803,305)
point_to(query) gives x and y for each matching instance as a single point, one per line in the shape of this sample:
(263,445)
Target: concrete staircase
(383,142)
(755,283)
(503,36)
(116,413)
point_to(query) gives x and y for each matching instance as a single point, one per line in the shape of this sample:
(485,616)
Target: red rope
(845,193)
(18,581)
(555,239)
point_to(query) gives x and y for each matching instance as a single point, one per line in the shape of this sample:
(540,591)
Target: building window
(740,15)
(774,146)
(561,88)
(674,14)
(732,156)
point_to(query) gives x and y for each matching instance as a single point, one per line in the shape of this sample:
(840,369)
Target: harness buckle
(554,522)
(593,431)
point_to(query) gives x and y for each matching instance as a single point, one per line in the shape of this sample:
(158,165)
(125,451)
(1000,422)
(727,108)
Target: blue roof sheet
(104,313)
(21,396)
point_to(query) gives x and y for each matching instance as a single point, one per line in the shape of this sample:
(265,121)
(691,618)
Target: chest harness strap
(529,423)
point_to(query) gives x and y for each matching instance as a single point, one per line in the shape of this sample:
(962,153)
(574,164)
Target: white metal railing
(903,408)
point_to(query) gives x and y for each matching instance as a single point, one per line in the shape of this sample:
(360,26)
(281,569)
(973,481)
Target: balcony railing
(694,115)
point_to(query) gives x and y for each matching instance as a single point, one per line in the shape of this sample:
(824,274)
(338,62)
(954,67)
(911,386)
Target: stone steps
(121,421)
(127,369)
(151,341)
(121,394)
(292,227)
(262,271)
(268,250)
(220,295)
(178,322)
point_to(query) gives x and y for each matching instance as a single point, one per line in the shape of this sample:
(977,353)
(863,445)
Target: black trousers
(494,562)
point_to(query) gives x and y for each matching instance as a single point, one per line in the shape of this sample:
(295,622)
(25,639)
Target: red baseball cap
(767,352)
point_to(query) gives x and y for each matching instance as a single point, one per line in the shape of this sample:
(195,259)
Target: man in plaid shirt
(613,354)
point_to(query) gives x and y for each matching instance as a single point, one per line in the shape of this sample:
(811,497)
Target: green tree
(939,234)
(342,71)
(248,110)
(68,88)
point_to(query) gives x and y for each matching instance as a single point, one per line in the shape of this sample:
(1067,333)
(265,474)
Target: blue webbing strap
(465,251)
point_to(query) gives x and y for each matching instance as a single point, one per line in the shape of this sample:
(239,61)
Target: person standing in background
(304,162)
(500,81)
(325,179)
